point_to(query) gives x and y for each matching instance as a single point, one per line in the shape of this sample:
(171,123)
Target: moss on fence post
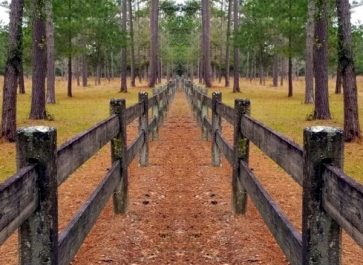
(143,128)
(241,152)
(320,233)
(118,153)
(216,126)
(38,235)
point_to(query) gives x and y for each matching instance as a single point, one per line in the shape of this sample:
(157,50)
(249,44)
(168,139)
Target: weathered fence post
(241,152)
(118,153)
(143,127)
(216,126)
(321,234)
(204,114)
(38,235)
(155,113)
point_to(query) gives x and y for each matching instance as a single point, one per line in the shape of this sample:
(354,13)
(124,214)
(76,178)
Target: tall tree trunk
(309,54)
(338,83)
(236,87)
(290,88)
(290,93)
(154,42)
(132,45)
(123,49)
(70,76)
(345,50)
(275,71)
(12,71)
(39,61)
(322,110)
(50,54)
(207,67)
(84,71)
(228,43)
(21,79)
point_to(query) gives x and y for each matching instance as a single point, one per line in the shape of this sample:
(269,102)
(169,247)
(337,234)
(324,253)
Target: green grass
(288,115)
(71,115)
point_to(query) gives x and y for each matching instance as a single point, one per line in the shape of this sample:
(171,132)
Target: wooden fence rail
(29,201)
(331,199)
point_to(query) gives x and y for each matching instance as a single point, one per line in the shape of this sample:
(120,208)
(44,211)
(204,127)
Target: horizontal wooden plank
(18,200)
(208,102)
(72,237)
(134,112)
(153,101)
(207,124)
(283,151)
(288,238)
(135,148)
(225,148)
(226,112)
(343,201)
(75,152)
(152,124)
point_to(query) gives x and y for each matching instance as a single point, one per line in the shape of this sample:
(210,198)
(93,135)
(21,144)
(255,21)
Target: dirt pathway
(179,210)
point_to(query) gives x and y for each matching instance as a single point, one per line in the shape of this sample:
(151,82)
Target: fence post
(155,112)
(241,152)
(38,235)
(321,234)
(216,126)
(143,127)
(118,153)
(204,113)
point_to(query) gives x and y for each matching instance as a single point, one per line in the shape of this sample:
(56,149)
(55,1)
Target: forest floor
(179,206)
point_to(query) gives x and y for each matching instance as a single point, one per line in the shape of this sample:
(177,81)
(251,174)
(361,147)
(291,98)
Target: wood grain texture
(135,148)
(226,112)
(225,148)
(286,235)
(75,152)
(134,112)
(283,151)
(18,200)
(74,234)
(152,125)
(207,124)
(343,201)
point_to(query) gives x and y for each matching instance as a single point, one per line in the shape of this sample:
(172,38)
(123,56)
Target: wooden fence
(28,200)
(331,199)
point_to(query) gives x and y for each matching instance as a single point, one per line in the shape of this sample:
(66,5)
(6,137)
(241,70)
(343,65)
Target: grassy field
(288,116)
(71,115)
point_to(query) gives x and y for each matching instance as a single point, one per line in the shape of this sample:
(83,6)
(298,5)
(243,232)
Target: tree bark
(132,45)
(154,43)
(21,79)
(275,71)
(207,68)
(236,87)
(309,54)
(228,44)
(338,83)
(322,110)
(84,71)
(70,76)
(345,50)
(39,61)
(290,88)
(12,71)
(123,49)
(50,54)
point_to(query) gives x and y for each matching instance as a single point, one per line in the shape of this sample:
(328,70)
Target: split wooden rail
(29,201)
(331,199)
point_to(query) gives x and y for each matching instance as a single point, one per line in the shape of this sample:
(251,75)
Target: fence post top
(322,132)
(143,94)
(36,130)
(216,94)
(117,101)
(242,102)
